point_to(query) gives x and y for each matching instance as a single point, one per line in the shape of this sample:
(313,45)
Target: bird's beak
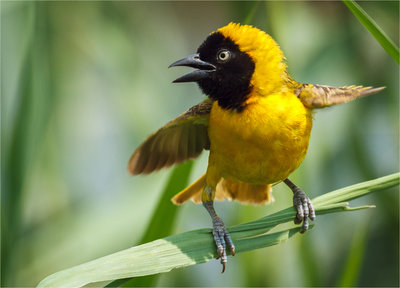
(204,68)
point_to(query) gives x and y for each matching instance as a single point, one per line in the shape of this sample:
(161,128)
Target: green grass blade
(357,190)
(195,247)
(164,216)
(250,15)
(163,219)
(13,170)
(374,29)
(159,256)
(352,267)
(36,98)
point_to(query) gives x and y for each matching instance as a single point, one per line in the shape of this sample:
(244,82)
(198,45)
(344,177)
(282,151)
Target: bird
(256,123)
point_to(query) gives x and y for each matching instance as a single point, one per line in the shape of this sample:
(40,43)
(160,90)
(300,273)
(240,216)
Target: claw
(304,209)
(221,236)
(302,204)
(297,220)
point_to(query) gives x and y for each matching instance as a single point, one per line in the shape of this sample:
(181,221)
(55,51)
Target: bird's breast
(263,143)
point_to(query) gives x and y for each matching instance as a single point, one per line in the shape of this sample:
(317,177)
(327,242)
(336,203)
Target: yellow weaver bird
(256,123)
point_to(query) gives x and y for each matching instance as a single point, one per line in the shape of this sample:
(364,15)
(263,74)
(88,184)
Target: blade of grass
(311,268)
(159,256)
(250,15)
(374,29)
(197,246)
(162,221)
(36,102)
(164,216)
(354,191)
(352,267)
(13,173)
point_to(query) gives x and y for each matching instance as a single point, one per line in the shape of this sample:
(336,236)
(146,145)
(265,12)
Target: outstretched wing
(179,140)
(319,96)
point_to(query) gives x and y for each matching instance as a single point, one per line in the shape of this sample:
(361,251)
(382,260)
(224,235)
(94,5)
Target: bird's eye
(224,55)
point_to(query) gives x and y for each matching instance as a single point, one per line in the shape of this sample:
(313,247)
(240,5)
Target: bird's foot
(302,204)
(304,209)
(222,239)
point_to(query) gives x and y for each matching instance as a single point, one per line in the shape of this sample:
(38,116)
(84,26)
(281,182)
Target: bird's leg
(221,235)
(302,205)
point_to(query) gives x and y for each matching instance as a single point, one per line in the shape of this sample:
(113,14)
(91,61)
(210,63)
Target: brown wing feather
(179,140)
(319,96)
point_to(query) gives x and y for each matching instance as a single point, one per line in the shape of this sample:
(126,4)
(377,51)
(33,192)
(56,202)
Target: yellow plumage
(261,145)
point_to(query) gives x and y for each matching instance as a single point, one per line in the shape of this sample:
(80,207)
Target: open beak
(204,68)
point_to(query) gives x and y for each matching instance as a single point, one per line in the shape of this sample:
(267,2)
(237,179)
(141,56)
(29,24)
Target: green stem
(374,29)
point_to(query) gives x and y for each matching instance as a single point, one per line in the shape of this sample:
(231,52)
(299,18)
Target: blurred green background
(83,83)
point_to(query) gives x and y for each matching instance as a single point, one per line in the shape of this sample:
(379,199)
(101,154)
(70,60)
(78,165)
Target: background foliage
(83,83)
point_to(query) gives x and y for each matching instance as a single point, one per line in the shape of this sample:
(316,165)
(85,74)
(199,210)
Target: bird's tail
(190,192)
(238,191)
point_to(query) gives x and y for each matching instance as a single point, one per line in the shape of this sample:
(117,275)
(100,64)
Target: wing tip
(372,90)
(132,165)
(136,165)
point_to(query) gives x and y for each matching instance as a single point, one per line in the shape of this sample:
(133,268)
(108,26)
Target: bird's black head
(224,72)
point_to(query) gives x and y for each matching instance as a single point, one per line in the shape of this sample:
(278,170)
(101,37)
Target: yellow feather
(262,144)
(264,51)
